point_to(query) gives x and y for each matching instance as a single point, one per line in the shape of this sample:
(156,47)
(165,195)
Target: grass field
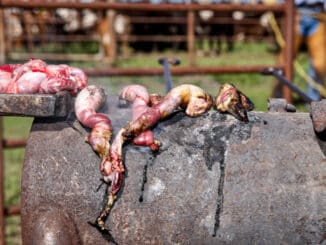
(257,87)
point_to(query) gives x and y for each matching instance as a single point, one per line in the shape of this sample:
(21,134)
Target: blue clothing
(301,2)
(306,3)
(308,24)
(311,92)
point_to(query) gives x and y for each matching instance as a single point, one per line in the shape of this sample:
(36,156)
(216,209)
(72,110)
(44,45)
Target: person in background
(311,29)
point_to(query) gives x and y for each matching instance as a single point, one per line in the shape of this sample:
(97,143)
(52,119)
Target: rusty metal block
(35,105)
(318,115)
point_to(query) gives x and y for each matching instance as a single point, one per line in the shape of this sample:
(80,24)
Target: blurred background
(119,43)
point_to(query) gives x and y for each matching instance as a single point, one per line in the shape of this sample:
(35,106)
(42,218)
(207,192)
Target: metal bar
(2,39)
(186,70)
(176,38)
(12,210)
(290,85)
(163,7)
(156,38)
(289,49)
(157,20)
(60,38)
(111,14)
(13,143)
(129,38)
(191,36)
(167,76)
(174,20)
(183,20)
(2,194)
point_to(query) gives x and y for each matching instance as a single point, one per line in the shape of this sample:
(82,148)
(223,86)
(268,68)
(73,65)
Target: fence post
(191,36)
(2,39)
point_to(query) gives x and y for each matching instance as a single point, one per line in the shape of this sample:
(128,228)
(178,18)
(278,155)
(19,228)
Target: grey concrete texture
(215,180)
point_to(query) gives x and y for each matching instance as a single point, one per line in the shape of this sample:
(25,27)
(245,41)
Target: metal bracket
(280,105)
(167,74)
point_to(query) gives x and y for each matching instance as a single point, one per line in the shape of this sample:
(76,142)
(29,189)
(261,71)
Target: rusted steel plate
(35,105)
(318,115)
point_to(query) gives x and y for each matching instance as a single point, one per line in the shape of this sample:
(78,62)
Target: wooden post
(289,47)
(191,37)
(2,39)
(2,196)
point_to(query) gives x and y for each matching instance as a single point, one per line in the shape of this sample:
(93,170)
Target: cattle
(211,28)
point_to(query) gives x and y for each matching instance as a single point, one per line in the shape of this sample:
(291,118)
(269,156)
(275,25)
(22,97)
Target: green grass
(68,48)
(257,87)
(239,56)
(14,128)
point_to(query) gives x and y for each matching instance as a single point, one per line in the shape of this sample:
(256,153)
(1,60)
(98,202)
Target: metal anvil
(216,180)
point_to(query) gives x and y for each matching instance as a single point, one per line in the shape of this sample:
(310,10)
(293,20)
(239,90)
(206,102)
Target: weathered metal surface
(215,181)
(35,105)
(280,105)
(318,115)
